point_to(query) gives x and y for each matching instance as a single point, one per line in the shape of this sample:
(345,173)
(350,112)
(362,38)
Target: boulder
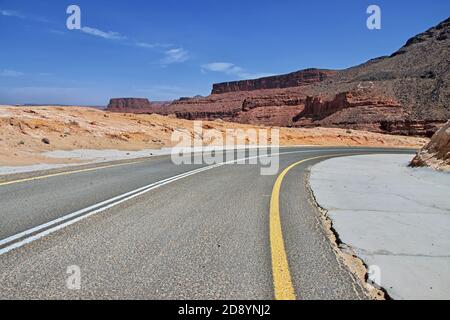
(436,153)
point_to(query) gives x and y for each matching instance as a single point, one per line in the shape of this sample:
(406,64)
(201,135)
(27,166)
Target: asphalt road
(206,235)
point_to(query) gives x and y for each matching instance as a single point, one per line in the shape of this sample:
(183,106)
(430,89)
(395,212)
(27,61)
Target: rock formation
(437,152)
(406,93)
(317,109)
(294,79)
(136,105)
(128,104)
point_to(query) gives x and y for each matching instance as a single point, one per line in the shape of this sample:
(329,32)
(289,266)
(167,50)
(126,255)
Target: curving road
(152,230)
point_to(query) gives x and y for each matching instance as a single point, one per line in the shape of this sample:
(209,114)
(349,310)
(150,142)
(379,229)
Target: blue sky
(171,48)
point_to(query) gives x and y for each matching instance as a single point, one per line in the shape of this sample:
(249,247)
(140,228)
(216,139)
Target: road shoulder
(318,273)
(395,218)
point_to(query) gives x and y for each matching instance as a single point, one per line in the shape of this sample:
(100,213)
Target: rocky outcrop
(355,110)
(363,110)
(294,79)
(423,128)
(441,32)
(137,105)
(317,109)
(271,101)
(405,93)
(126,104)
(275,107)
(436,153)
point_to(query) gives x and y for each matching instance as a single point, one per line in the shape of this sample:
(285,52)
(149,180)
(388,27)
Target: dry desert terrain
(28,132)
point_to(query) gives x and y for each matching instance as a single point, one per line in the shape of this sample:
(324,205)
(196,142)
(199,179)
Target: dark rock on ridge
(294,79)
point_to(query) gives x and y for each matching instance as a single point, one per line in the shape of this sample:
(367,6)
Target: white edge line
(70,222)
(112,202)
(80,212)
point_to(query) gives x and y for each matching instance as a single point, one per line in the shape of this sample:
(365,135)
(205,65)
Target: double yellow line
(282,280)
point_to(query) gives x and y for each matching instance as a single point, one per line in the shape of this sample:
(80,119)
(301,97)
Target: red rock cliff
(405,93)
(127,104)
(295,79)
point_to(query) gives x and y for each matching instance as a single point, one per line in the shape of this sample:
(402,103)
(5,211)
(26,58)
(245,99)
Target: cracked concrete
(393,217)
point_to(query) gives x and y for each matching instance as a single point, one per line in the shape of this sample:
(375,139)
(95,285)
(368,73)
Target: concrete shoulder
(395,218)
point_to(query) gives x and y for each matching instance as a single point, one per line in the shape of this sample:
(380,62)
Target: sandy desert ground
(28,132)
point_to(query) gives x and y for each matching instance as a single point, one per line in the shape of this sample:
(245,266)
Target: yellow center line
(67,173)
(282,280)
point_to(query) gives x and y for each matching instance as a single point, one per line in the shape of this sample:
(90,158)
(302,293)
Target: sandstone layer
(134,105)
(294,79)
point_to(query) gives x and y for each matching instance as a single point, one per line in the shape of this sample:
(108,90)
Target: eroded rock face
(436,153)
(275,107)
(136,105)
(294,79)
(424,128)
(317,109)
(362,110)
(126,104)
(406,93)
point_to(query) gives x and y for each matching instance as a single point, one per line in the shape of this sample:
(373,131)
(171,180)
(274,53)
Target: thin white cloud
(225,67)
(111,35)
(232,70)
(10,73)
(176,55)
(20,15)
(152,45)
(15,73)
(171,55)
(145,45)
(11,13)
